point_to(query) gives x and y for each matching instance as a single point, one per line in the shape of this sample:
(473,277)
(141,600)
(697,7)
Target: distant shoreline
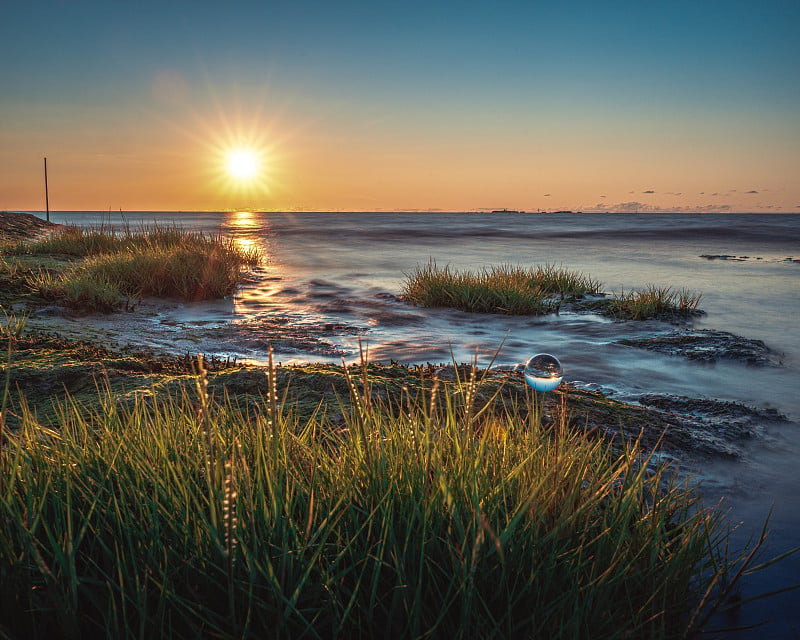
(122,214)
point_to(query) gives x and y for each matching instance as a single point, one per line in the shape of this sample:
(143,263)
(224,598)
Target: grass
(77,241)
(504,289)
(654,302)
(536,291)
(184,515)
(160,262)
(9,271)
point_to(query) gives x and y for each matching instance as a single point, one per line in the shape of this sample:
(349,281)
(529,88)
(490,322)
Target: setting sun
(242,164)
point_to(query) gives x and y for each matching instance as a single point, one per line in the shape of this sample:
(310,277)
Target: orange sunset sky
(371,106)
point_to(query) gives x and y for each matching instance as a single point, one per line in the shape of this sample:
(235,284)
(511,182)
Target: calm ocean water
(347,269)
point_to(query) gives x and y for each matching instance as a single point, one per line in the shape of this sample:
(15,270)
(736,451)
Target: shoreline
(690,428)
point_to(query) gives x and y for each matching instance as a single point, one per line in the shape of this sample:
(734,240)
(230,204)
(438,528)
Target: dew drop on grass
(543,372)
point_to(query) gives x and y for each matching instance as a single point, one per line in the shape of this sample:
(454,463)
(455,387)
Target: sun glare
(242,164)
(242,160)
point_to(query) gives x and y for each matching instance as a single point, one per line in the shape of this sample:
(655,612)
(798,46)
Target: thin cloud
(635,206)
(632,206)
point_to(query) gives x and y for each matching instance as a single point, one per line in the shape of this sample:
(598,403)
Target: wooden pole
(46,194)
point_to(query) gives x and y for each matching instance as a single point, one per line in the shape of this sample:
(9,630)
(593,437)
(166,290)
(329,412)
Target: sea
(340,276)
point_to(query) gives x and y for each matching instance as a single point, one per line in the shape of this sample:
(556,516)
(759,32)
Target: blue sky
(370,105)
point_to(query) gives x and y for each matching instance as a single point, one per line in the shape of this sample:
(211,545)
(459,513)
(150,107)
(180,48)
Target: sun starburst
(243,164)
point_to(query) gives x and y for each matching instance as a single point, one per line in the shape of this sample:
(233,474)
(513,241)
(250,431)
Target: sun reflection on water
(250,231)
(246,229)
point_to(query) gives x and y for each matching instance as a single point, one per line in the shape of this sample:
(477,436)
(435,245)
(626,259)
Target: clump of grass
(653,302)
(535,291)
(186,516)
(12,325)
(557,280)
(9,269)
(504,289)
(78,289)
(161,262)
(72,240)
(13,280)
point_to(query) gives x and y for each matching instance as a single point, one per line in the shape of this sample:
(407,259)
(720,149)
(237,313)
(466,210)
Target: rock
(51,310)
(708,345)
(708,426)
(725,256)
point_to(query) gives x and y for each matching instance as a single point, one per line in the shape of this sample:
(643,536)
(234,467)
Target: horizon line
(484,211)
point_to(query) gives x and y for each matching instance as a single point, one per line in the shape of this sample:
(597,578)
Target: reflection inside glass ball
(543,372)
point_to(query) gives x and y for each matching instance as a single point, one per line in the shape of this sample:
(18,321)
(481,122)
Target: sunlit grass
(9,269)
(187,516)
(161,262)
(12,325)
(537,290)
(653,302)
(504,289)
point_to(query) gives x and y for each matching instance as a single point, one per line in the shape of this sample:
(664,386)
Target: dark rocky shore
(45,365)
(708,345)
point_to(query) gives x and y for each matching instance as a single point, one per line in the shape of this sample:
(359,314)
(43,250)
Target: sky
(377,105)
